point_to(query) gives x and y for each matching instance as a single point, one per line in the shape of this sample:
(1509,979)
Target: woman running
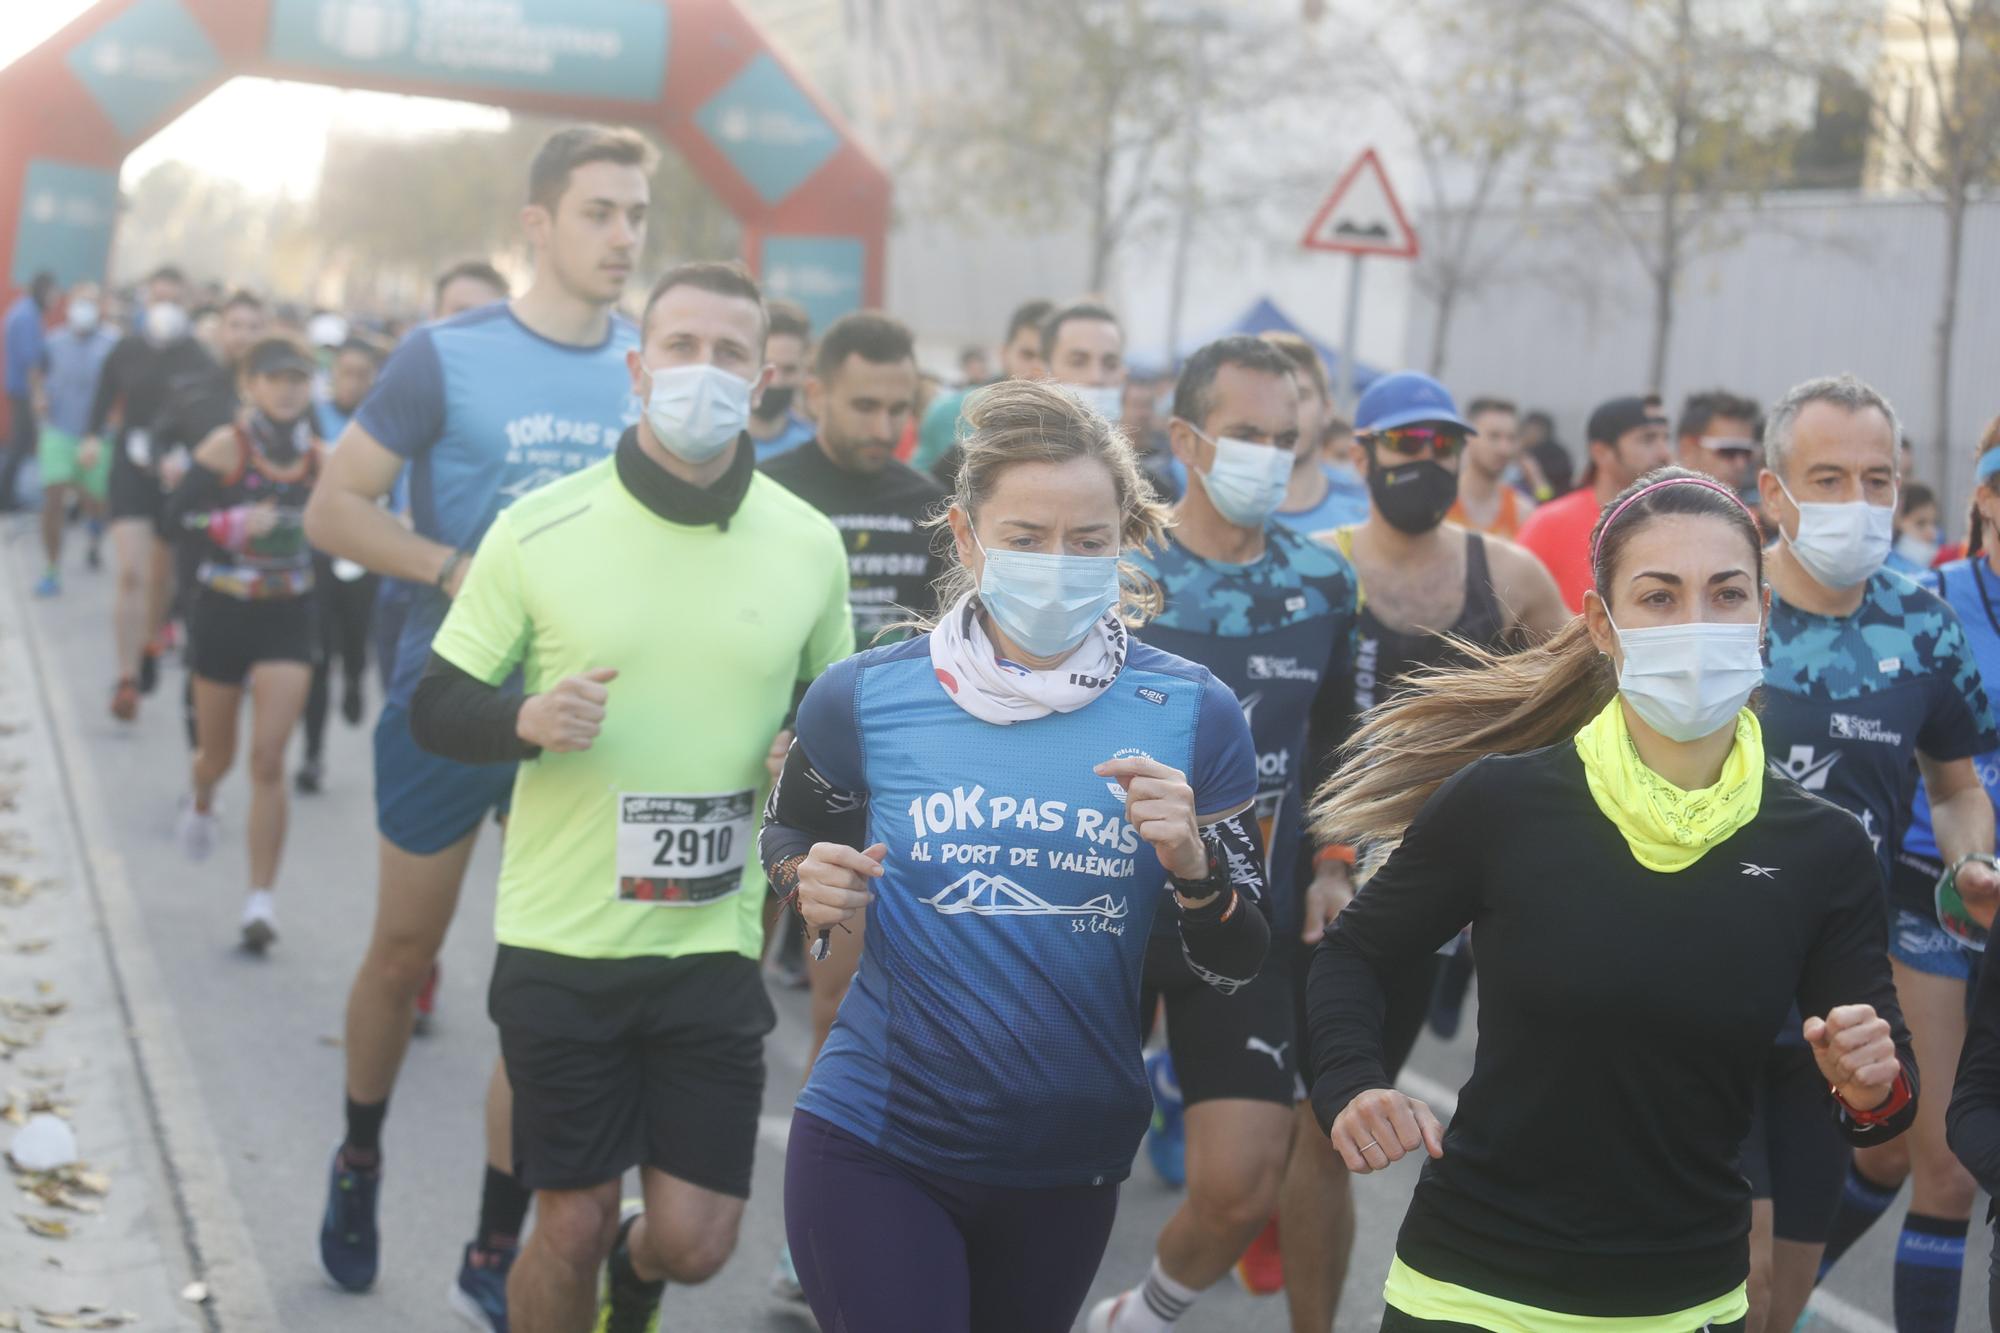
(1647,900)
(241,504)
(1011,798)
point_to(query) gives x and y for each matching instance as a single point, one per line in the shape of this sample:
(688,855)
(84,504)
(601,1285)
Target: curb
(189,1166)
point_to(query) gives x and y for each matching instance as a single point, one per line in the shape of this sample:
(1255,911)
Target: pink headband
(1645,491)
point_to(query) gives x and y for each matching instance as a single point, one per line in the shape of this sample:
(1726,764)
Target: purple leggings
(883,1247)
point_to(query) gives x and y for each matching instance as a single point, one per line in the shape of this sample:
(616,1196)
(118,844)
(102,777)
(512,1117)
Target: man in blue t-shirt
(26,353)
(1271,613)
(1868,682)
(481,408)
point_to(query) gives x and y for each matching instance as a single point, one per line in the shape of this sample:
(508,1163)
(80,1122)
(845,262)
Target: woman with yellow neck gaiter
(1648,901)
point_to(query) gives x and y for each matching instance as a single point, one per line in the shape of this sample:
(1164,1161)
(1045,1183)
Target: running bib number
(682,851)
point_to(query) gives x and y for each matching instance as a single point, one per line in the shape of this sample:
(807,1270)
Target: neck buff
(1669,829)
(993,689)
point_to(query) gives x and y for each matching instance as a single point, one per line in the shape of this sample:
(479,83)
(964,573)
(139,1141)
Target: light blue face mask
(1047,603)
(1246,482)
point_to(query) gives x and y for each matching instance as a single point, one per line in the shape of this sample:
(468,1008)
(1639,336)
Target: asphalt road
(263,1038)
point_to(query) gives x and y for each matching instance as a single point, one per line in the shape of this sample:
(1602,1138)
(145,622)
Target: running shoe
(125,700)
(479,1293)
(1261,1270)
(1166,1138)
(309,775)
(1105,1313)
(350,1248)
(427,1001)
(260,921)
(195,830)
(49,585)
(630,1304)
(785,1279)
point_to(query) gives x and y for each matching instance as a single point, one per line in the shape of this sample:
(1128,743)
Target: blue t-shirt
(1345,504)
(1973,591)
(1850,700)
(992,1030)
(332,420)
(485,410)
(75,363)
(796,432)
(1280,633)
(25,344)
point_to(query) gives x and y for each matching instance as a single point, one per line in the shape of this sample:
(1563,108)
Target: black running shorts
(1238,1045)
(623,1062)
(228,635)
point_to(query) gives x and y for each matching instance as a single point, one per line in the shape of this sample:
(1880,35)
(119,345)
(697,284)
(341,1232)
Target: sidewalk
(86,1031)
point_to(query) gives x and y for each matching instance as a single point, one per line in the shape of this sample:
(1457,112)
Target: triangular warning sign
(1361,216)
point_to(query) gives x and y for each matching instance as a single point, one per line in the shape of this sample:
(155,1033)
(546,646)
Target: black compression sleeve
(1225,939)
(1972,1125)
(459,716)
(805,808)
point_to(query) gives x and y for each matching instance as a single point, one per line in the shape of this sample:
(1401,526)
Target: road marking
(1841,1314)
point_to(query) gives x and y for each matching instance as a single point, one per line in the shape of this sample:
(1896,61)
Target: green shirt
(644,844)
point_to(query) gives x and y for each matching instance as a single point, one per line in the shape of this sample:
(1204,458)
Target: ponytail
(1495,703)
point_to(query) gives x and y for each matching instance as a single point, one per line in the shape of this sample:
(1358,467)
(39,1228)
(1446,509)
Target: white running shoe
(1105,1313)
(260,921)
(785,1279)
(195,830)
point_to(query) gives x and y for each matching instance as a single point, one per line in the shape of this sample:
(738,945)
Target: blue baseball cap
(1404,399)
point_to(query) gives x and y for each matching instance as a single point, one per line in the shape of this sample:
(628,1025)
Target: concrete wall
(1794,287)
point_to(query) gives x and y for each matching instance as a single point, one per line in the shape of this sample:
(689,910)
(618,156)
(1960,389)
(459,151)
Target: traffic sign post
(1361,217)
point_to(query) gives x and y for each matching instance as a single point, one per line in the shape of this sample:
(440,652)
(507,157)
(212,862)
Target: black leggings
(344,610)
(884,1247)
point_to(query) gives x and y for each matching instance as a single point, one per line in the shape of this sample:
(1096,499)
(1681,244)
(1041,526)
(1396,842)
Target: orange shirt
(1505,523)
(1559,535)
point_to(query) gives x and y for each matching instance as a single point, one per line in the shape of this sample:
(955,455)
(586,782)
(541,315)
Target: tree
(1940,116)
(1688,98)
(1484,125)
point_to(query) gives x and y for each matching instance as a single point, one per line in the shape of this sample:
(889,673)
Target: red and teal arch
(812,203)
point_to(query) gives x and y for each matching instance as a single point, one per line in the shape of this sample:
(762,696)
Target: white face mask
(697,411)
(165,321)
(82,316)
(1840,545)
(1247,481)
(1690,681)
(1107,400)
(1916,550)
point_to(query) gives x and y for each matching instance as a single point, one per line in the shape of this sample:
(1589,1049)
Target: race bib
(346,570)
(682,851)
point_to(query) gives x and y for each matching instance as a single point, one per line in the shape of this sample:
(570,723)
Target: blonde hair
(1022,421)
(1500,703)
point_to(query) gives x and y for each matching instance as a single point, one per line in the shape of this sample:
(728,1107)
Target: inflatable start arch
(814,206)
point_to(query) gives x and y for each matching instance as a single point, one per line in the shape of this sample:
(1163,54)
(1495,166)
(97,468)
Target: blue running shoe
(1166,1138)
(49,585)
(350,1248)
(479,1295)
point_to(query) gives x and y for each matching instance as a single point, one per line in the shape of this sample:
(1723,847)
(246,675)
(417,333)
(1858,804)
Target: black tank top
(1384,656)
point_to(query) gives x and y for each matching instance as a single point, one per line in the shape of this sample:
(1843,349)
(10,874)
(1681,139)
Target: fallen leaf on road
(32,946)
(50,1228)
(329,1040)
(23,1010)
(195,1293)
(10,1323)
(85,1316)
(45,988)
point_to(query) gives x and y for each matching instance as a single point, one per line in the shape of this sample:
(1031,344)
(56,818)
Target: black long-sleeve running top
(1624,1014)
(1972,1123)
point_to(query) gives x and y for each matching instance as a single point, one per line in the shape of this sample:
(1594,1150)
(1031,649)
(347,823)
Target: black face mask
(775,403)
(1413,497)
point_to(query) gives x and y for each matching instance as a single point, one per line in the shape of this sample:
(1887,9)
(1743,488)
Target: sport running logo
(1277,1053)
(1805,768)
(982,894)
(1764,872)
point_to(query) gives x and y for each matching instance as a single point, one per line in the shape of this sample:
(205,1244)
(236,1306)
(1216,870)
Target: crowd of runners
(1122,763)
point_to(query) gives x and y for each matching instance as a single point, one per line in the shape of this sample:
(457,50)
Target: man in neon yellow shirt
(665,607)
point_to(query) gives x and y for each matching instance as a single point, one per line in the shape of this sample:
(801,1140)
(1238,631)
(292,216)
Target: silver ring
(1370,1144)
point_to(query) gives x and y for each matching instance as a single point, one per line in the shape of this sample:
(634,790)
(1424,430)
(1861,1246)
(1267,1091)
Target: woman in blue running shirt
(1010,798)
